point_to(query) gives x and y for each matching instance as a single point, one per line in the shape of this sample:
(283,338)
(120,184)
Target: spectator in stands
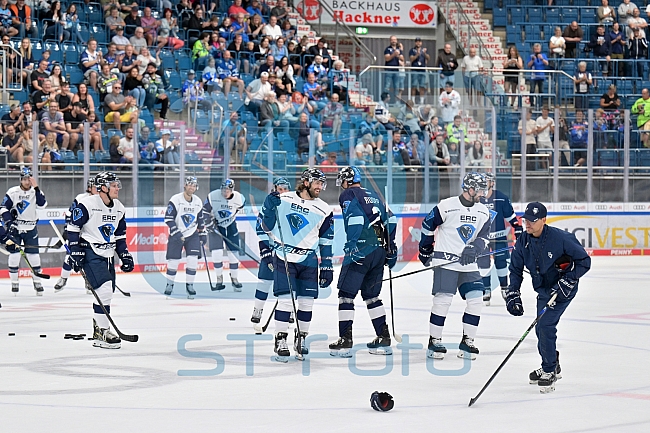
(557,46)
(168,32)
(22,19)
(449,63)
(579,135)
(433,128)
(573,35)
(254,9)
(419,59)
(256,92)
(625,10)
(170,148)
(606,13)
(86,101)
(237,50)
(138,40)
(39,75)
(132,21)
(272,29)
(601,45)
(106,81)
(28,145)
(454,154)
(582,81)
(392,56)
(114,20)
(438,152)
(217,46)
(383,114)
(319,70)
(300,104)
(64,98)
(284,71)
(636,22)
(302,145)
(127,146)
(240,27)
(288,31)
(511,67)
(409,117)
(120,40)
(150,26)
(332,114)
(472,67)
(129,61)
(277,85)
(545,127)
(201,51)
(610,100)
(449,102)
(193,93)
(363,152)
(600,127)
(315,93)
(280,12)
(113,144)
(617,51)
(236,8)
(530,134)
(42,98)
(641,108)
(14,145)
(74,121)
(145,58)
(261,53)
(338,79)
(55,25)
(155,88)
(56,78)
(268,66)
(25,51)
(370,131)
(120,108)
(294,49)
(475,156)
(638,50)
(52,121)
(404,152)
(456,132)
(279,50)
(229,74)
(270,116)
(90,60)
(114,60)
(539,62)
(329,165)
(424,115)
(14,117)
(318,50)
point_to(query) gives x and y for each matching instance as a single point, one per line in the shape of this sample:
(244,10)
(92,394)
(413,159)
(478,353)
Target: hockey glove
(352,255)
(325,273)
(127,262)
(518,230)
(564,288)
(13,234)
(513,303)
(77,257)
(564,264)
(469,255)
(426,253)
(176,236)
(391,260)
(203,237)
(266,255)
(210,226)
(274,200)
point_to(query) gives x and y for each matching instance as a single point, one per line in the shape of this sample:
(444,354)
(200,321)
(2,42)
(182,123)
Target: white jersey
(67,214)
(22,206)
(182,215)
(223,209)
(455,227)
(306,225)
(99,225)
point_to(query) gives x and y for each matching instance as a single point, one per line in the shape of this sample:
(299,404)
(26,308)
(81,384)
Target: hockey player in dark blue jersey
(500,210)
(370,245)
(265,273)
(556,261)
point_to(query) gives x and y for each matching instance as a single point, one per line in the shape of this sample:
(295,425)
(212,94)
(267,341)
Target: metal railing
(8,83)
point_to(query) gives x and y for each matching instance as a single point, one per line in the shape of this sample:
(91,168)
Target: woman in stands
(82,96)
(285,71)
(225,30)
(133,86)
(95,131)
(168,32)
(557,46)
(55,24)
(71,20)
(511,68)
(255,28)
(25,51)
(475,155)
(238,51)
(150,26)
(288,31)
(56,78)
(294,57)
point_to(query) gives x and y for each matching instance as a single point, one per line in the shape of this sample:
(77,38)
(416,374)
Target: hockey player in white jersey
(304,224)
(454,234)
(97,231)
(220,210)
(20,217)
(66,269)
(185,222)
(265,273)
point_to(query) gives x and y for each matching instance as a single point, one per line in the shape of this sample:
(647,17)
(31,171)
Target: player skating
(301,227)
(500,209)
(97,231)
(20,217)
(454,234)
(66,269)
(556,261)
(185,222)
(221,208)
(370,245)
(265,273)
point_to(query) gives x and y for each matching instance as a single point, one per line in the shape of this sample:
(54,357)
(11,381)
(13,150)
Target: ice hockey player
(265,273)
(500,209)
(19,214)
(556,261)
(304,223)
(66,269)
(97,231)
(461,226)
(185,222)
(220,210)
(369,246)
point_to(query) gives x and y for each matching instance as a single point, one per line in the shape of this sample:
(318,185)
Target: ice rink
(170,381)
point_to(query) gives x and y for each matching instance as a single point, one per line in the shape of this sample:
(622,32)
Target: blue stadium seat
(517,15)
(183,57)
(71,53)
(552,15)
(174,80)
(500,17)
(513,33)
(55,50)
(68,158)
(569,15)
(99,33)
(607,157)
(535,15)
(75,75)
(168,60)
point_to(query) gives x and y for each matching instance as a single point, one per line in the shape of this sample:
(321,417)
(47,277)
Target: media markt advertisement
(406,14)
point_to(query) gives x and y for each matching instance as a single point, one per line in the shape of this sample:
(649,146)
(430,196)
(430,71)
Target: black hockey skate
(487,295)
(291,319)
(342,346)
(281,347)
(169,289)
(467,349)
(191,293)
(304,350)
(436,350)
(39,289)
(535,375)
(546,382)
(381,344)
(105,338)
(236,284)
(60,284)
(220,285)
(257,315)
(14,288)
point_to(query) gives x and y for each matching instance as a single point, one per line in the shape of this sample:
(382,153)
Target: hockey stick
(268,322)
(230,243)
(397,338)
(67,249)
(291,292)
(532,325)
(207,268)
(22,253)
(125,337)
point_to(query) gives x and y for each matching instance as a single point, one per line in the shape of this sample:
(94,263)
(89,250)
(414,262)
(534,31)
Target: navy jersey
(363,210)
(539,256)
(500,209)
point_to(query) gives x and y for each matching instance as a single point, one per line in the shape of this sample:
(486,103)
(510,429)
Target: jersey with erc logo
(20,207)
(224,210)
(68,214)
(102,227)
(182,215)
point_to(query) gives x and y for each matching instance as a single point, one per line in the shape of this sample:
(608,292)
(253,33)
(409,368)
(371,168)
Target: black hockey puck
(232,318)
(12,334)
(82,335)
(43,335)
(77,338)
(90,338)
(67,337)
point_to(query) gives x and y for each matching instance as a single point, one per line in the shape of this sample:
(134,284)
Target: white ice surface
(52,384)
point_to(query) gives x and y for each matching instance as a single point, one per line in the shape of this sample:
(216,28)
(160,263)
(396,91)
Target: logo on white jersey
(107,231)
(296,222)
(466,231)
(223,214)
(77,213)
(22,205)
(188,219)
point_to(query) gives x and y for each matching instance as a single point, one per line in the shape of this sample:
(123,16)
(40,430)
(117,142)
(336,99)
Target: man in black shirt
(43,97)
(13,143)
(13,117)
(65,98)
(74,121)
(39,75)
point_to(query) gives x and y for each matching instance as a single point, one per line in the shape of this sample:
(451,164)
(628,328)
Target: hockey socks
(262,293)
(66,269)
(217,260)
(439,310)
(105,294)
(346,315)
(190,269)
(377,315)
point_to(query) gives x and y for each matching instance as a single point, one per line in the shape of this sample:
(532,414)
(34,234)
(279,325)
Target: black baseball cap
(418,39)
(534,211)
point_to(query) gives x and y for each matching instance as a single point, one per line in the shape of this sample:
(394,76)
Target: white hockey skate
(60,284)
(105,338)
(467,349)
(281,348)
(39,288)
(236,284)
(436,350)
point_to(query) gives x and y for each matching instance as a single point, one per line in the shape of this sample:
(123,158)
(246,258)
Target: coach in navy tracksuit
(556,261)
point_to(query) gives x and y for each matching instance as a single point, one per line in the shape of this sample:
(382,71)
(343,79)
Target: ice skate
(486,298)
(191,293)
(381,344)
(39,288)
(467,348)
(60,284)
(236,284)
(546,382)
(535,375)
(303,349)
(105,338)
(220,285)
(291,319)
(169,289)
(14,288)
(281,348)
(504,293)
(257,315)
(436,350)
(342,346)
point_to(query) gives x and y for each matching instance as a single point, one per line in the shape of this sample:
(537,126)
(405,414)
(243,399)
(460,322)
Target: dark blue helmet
(283,182)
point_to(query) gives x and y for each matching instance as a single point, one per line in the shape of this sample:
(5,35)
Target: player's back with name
(99,225)
(362,202)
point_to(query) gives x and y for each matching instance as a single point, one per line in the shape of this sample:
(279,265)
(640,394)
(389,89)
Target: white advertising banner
(405,14)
